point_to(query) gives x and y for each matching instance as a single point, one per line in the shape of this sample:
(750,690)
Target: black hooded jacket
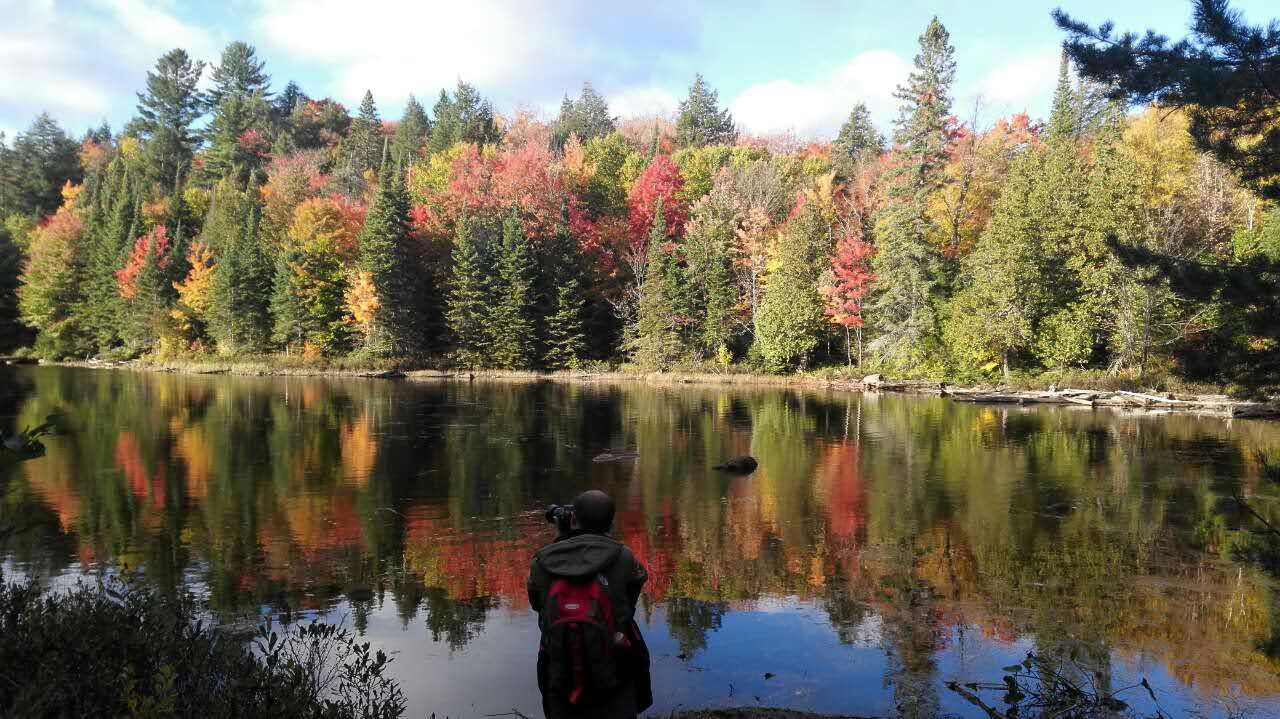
(584,554)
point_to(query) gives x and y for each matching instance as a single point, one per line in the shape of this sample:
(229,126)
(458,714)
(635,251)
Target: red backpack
(582,657)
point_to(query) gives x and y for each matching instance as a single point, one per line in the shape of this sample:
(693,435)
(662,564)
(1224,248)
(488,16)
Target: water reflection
(886,544)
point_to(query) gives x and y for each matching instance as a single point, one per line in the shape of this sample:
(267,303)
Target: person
(592,660)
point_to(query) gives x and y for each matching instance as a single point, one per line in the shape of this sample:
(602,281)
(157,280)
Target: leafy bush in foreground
(129,651)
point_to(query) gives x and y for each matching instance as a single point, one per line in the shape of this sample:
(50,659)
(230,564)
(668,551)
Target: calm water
(886,544)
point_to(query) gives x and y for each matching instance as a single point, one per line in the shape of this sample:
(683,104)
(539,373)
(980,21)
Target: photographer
(592,660)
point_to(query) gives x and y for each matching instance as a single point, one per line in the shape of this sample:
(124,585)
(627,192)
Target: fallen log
(1148,397)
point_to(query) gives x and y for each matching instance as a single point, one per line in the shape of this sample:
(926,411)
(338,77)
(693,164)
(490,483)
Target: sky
(796,66)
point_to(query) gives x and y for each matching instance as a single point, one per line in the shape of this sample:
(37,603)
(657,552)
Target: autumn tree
(51,290)
(701,121)
(190,312)
(790,320)
(146,288)
(907,264)
(168,107)
(845,290)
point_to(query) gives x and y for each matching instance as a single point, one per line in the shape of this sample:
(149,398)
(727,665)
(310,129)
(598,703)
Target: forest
(242,220)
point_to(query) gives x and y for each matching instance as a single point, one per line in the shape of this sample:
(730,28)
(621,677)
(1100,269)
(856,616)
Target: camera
(560,515)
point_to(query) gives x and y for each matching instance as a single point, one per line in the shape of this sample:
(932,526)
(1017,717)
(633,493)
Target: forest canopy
(246,218)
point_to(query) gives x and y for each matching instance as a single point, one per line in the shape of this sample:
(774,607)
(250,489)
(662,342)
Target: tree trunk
(859,346)
(848,347)
(1004,361)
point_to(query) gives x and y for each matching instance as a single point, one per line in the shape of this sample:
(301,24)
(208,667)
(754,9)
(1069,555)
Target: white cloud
(513,51)
(80,63)
(644,100)
(1025,82)
(815,108)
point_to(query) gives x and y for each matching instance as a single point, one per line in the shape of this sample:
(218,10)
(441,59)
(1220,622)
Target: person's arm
(537,585)
(635,583)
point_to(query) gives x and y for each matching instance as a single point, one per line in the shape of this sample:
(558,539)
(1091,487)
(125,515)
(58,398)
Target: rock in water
(738,465)
(615,455)
(871,380)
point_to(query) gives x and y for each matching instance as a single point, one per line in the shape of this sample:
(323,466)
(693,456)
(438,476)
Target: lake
(886,545)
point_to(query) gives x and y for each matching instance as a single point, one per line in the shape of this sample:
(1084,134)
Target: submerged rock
(738,465)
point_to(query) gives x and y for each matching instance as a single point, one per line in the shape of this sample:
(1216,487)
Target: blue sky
(780,66)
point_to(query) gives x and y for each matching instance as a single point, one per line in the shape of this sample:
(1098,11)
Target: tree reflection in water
(915,525)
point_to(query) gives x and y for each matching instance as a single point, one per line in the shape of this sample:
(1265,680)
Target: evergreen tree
(565,324)
(858,139)
(43,159)
(995,315)
(511,323)
(286,102)
(468,312)
(707,243)
(588,117)
(413,130)
(166,111)
(239,320)
(12,332)
(654,340)
(790,319)
(701,120)
(113,223)
(239,101)
(387,259)
(362,148)
(464,117)
(907,264)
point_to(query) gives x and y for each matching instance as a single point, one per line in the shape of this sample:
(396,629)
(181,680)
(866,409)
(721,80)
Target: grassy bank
(708,374)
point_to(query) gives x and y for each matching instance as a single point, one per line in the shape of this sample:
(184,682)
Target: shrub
(122,650)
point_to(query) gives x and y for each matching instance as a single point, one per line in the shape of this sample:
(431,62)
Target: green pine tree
(242,279)
(858,140)
(470,295)
(413,130)
(1005,294)
(701,121)
(511,323)
(654,338)
(386,256)
(112,224)
(565,324)
(362,148)
(239,102)
(907,264)
(587,117)
(167,109)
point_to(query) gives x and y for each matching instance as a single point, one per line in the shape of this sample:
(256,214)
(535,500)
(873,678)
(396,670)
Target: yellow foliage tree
(362,302)
(1159,146)
(195,295)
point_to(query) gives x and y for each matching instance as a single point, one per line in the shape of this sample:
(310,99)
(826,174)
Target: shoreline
(1148,402)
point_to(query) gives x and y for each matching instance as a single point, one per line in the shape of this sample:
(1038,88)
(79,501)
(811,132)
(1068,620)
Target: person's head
(593,511)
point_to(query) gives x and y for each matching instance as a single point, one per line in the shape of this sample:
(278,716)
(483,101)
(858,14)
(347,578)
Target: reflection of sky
(789,639)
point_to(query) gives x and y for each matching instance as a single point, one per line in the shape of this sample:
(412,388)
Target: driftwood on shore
(1215,405)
